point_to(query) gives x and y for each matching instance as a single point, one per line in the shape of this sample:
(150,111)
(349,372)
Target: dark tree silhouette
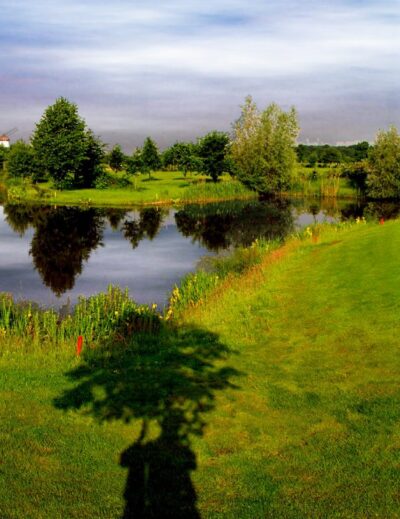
(63,240)
(168,380)
(219,226)
(147,225)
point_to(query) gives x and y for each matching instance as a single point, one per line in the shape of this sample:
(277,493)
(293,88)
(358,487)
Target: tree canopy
(22,161)
(383,179)
(213,150)
(116,158)
(263,147)
(150,156)
(65,148)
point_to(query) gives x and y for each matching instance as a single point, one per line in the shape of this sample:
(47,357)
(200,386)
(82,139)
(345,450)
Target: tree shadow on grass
(167,381)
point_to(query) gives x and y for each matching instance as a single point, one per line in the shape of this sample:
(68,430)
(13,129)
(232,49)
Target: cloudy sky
(177,69)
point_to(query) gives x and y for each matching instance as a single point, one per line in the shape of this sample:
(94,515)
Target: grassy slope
(312,429)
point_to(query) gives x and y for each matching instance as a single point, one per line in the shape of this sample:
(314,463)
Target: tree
(65,148)
(213,150)
(90,168)
(383,179)
(357,173)
(182,156)
(150,156)
(116,158)
(263,147)
(22,161)
(331,155)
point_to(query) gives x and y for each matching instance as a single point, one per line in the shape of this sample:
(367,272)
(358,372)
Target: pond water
(52,255)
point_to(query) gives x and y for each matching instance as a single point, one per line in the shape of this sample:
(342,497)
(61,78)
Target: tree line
(261,152)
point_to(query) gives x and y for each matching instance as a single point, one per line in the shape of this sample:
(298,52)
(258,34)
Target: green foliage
(171,157)
(22,161)
(116,158)
(106,181)
(357,173)
(67,151)
(150,156)
(212,150)
(312,154)
(383,179)
(263,147)
(134,163)
(3,155)
(182,156)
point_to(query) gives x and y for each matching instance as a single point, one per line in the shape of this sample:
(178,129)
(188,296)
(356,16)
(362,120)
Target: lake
(51,255)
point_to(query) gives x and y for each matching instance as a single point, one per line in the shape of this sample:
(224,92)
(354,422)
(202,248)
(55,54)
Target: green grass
(164,187)
(276,397)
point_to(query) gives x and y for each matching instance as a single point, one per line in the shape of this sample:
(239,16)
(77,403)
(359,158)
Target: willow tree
(263,147)
(383,179)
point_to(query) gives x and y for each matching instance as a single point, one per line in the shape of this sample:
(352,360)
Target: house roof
(4,138)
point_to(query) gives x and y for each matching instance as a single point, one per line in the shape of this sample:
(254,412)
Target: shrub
(22,161)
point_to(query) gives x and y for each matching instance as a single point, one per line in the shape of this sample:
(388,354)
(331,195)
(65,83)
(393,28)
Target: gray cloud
(177,69)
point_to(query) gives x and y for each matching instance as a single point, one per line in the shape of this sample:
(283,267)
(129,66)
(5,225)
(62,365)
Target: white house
(4,141)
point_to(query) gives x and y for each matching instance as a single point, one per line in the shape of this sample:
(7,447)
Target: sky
(175,70)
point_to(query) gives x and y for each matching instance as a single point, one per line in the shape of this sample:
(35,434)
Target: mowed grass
(277,397)
(163,187)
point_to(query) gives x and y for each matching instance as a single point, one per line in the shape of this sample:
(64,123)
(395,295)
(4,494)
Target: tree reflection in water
(219,226)
(64,238)
(147,225)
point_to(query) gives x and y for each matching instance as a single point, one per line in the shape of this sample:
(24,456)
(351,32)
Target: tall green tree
(150,156)
(116,158)
(263,147)
(65,148)
(213,152)
(383,179)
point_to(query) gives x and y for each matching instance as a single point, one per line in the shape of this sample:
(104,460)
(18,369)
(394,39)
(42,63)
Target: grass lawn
(164,187)
(277,397)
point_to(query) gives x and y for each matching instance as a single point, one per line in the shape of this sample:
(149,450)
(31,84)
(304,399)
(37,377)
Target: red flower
(382,221)
(79,345)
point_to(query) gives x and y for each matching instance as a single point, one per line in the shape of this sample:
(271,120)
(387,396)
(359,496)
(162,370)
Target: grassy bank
(171,187)
(273,394)
(163,188)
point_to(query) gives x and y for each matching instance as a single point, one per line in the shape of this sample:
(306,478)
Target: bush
(22,162)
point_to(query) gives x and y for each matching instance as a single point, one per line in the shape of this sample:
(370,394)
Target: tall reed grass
(97,318)
(208,191)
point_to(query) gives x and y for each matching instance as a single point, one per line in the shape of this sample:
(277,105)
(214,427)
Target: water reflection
(147,225)
(64,243)
(64,238)
(218,226)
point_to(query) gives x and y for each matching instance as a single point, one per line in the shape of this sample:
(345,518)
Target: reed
(208,191)
(102,317)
